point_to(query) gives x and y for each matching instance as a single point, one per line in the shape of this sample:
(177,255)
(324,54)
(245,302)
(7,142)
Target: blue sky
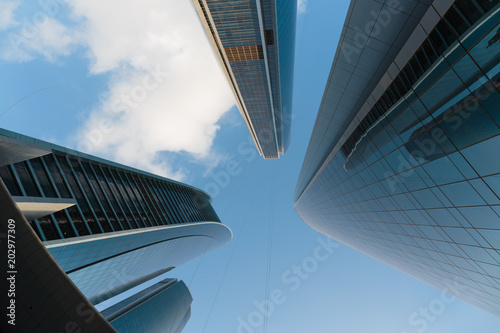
(67,81)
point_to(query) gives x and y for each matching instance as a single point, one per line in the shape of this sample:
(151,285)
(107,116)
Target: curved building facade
(163,307)
(99,263)
(107,197)
(112,229)
(402,164)
(38,296)
(254,41)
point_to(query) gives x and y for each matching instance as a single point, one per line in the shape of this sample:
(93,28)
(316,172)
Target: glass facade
(98,263)
(374,34)
(110,197)
(46,300)
(287,15)
(415,181)
(125,228)
(255,43)
(163,307)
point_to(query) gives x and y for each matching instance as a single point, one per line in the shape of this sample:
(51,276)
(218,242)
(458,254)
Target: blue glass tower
(402,163)
(112,229)
(254,41)
(163,307)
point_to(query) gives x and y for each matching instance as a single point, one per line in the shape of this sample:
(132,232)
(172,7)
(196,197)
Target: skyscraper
(402,163)
(114,230)
(163,307)
(254,41)
(38,296)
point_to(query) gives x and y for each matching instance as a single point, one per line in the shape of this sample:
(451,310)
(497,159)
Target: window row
(457,20)
(108,199)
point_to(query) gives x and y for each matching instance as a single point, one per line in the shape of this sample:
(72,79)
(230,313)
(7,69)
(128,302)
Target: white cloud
(166,92)
(48,38)
(7,14)
(302,6)
(139,117)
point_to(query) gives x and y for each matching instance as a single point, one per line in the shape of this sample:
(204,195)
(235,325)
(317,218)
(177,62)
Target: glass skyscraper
(163,307)
(254,41)
(114,230)
(403,162)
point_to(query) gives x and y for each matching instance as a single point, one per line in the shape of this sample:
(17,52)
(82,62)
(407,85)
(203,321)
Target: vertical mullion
(191,195)
(140,200)
(98,200)
(63,176)
(49,176)
(91,170)
(57,226)
(159,202)
(51,223)
(35,179)
(204,213)
(131,197)
(84,195)
(42,234)
(16,176)
(190,206)
(34,223)
(151,199)
(30,184)
(120,192)
(147,200)
(478,7)
(187,207)
(123,195)
(464,17)
(163,200)
(213,214)
(171,201)
(105,177)
(113,210)
(200,211)
(178,203)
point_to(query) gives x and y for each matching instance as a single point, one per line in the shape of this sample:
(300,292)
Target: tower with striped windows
(113,229)
(254,41)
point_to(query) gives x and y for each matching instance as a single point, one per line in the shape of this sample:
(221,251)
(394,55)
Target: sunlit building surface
(254,42)
(114,230)
(403,162)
